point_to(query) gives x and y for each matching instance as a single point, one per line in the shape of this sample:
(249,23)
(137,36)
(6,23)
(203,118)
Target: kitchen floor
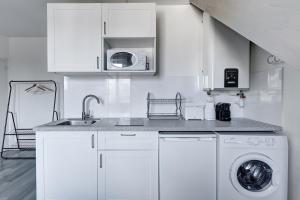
(17,179)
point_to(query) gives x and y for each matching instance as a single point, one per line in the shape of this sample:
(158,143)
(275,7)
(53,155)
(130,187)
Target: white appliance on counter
(129,59)
(252,166)
(187,164)
(195,112)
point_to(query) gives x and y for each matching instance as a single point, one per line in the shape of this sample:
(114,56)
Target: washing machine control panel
(255,141)
(270,141)
(233,140)
(251,141)
(260,141)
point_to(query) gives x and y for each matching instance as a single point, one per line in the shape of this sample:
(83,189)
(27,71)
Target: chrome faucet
(85,114)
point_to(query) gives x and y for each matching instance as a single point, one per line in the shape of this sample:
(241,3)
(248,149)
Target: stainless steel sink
(77,123)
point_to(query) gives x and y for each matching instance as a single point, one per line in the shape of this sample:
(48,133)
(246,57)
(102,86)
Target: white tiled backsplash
(264,99)
(126,96)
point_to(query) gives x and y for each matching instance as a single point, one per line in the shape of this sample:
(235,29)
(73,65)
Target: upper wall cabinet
(74,37)
(226,57)
(80,34)
(129,20)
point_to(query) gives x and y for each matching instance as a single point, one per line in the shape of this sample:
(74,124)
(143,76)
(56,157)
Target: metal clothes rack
(21,134)
(177,102)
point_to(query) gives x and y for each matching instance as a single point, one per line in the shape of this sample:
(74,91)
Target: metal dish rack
(177,101)
(24,137)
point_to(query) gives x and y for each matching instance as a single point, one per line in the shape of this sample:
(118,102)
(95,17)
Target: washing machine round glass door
(254,175)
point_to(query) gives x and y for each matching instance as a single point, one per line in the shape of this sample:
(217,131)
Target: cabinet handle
(104,28)
(101,160)
(98,62)
(123,134)
(93,141)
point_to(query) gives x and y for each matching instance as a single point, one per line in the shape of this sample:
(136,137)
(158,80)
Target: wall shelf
(148,44)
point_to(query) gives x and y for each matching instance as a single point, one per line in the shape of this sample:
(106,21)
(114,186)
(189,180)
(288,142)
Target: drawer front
(127,140)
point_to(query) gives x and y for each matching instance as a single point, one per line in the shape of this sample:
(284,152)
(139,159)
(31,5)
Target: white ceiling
(27,18)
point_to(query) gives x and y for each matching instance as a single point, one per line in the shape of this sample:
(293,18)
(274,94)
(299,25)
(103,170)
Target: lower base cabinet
(91,165)
(66,165)
(128,165)
(128,175)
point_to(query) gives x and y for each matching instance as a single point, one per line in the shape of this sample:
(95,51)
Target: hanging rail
(23,131)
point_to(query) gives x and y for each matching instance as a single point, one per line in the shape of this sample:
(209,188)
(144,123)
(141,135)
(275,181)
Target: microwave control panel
(231,78)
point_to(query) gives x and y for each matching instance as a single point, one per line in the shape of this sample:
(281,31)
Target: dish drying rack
(177,101)
(24,137)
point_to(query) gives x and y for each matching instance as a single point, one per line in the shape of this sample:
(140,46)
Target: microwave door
(122,60)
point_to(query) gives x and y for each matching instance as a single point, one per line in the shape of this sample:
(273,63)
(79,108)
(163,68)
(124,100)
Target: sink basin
(77,123)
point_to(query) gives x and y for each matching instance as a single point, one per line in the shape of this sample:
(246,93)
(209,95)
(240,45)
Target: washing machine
(252,165)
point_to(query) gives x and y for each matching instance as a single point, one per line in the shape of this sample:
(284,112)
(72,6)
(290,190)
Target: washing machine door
(255,175)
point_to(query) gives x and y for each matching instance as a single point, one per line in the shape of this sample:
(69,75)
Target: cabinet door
(129,20)
(74,37)
(128,175)
(68,166)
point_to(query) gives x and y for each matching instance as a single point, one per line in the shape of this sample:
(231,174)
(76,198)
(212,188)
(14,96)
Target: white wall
(3,47)
(179,62)
(291,126)
(28,61)
(3,97)
(264,100)
(3,82)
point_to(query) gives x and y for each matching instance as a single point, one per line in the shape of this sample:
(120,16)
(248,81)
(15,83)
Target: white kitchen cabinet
(187,165)
(74,37)
(226,57)
(129,20)
(128,166)
(128,175)
(66,165)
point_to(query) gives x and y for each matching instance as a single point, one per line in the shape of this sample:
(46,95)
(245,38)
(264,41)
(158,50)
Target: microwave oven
(128,59)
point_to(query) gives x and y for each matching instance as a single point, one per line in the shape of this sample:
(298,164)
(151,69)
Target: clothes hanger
(30,88)
(39,87)
(46,88)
